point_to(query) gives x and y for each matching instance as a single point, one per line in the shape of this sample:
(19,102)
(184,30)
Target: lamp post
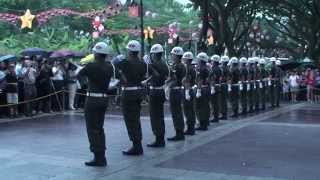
(142,28)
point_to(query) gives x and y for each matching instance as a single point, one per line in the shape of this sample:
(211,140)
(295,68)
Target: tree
(231,21)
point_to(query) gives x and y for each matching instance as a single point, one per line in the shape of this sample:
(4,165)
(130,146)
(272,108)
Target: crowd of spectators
(36,85)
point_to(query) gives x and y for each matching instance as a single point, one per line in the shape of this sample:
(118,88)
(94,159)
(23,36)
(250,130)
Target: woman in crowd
(58,85)
(310,85)
(294,85)
(12,91)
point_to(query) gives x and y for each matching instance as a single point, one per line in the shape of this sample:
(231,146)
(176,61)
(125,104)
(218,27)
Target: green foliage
(64,32)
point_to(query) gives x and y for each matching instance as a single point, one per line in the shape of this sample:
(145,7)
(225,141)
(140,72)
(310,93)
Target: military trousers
(234,97)
(273,93)
(156,106)
(244,98)
(131,107)
(203,107)
(251,96)
(224,100)
(215,103)
(263,95)
(95,109)
(257,96)
(189,110)
(278,92)
(176,100)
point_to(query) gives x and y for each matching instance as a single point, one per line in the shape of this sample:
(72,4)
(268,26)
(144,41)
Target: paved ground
(278,145)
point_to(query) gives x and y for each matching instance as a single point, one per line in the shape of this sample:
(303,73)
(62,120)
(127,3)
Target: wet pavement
(280,145)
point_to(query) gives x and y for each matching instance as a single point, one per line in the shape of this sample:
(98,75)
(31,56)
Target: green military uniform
(279,74)
(159,72)
(263,90)
(133,73)
(99,75)
(224,91)
(273,92)
(258,89)
(203,102)
(244,74)
(188,104)
(215,97)
(251,92)
(177,73)
(234,96)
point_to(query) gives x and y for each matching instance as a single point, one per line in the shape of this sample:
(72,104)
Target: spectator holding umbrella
(44,86)
(29,74)
(12,91)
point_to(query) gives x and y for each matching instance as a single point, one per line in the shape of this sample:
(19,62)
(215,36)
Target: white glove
(144,83)
(248,87)
(213,90)
(167,92)
(240,86)
(261,86)
(187,94)
(198,93)
(269,82)
(229,87)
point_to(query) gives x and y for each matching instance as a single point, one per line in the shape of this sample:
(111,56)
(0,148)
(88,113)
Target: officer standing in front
(251,86)
(99,74)
(257,84)
(132,72)
(203,92)
(188,103)
(244,85)
(264,83)
(159,73)
(234,80)
(215,78)
(224,87)
(177,73)
(279,74)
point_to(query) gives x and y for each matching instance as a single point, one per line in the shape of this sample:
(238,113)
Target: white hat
(215,58)
(234,60)
(102,48)
(251,60)
(203,57)
(278,62)
(262,61)
(187,55)
(177,51)
(243,60)
(157,48)
(273,59)
(134,46)
(225,59)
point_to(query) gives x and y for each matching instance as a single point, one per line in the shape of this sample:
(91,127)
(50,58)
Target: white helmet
(262,61)
(234,60)
(243,60)
(215,58)
(278,62)
(157,48)
(203,57)
(102,48)
(251,61)
(224,59)
(187,55)
(273,59)
(134,46)
(177,51)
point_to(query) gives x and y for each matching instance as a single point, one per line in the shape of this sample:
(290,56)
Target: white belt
(131,88)
(96,95)
(156,88)
(177,88)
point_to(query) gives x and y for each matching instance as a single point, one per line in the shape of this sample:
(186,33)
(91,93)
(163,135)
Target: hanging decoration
(27,19)
(173,32)
(148,33)
(97,26)
(134,9)
(45,16)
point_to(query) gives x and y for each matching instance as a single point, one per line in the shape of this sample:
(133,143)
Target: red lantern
(134,10)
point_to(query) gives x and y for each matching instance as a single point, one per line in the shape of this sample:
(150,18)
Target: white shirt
(57,74)
(293,80)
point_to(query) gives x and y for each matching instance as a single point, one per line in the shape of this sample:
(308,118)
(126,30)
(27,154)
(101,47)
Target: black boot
(159,143)
(224,117)
(215,120)
(135,150)
(99,160)
(202,128)
(178,137)
(190,132)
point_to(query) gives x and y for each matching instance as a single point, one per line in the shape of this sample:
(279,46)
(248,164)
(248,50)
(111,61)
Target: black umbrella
(35,52)
(290,65)
(8,58)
